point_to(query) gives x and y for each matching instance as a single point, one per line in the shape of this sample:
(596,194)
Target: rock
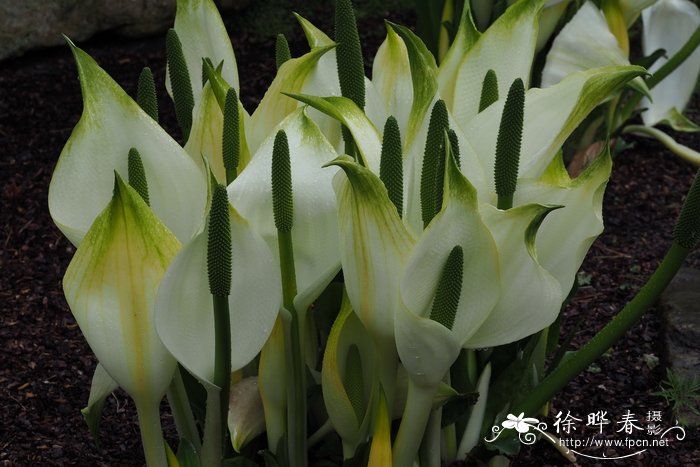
(31,24)
(680,308)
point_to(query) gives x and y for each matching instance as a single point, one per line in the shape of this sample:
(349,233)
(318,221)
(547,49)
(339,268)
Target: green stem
(449,436)
(182,412)
(289,278)
(430,447)
(449,433)
(505,202)
(665,70)
(211,446)
(419,405)
(675,61)
(470,436)
(681,150)
(602,341)
(296,407)
(222,359)
(151,433)
(321,433)
(296,395)
(350,148)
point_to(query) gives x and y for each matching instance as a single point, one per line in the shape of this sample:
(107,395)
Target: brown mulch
(46,366)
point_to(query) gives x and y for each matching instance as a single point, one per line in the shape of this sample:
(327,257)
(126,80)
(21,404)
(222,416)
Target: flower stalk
(283,209)
(686,235)
(219,272)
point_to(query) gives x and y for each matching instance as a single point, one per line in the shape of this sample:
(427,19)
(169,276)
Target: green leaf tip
(180,82)
(449,289)
(206,64)
(118,187)
(489,90)
(282,52)
(353,381)
(434,152)
(146,93)
(687,230)
(510,134)
(68,40)
(137,174)
(282,202)
(218,84)
(231,138)
(391,163)
(219,244)
(351,70)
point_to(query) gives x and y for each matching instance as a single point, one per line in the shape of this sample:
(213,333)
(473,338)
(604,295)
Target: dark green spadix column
(146,93)
(282,52)
(434,152)
(454,145)
(449,289)
(231,138)
(510,135)
(137,175)
(351,70)
(219,259)
(180,82)
(489,90)
(391,163)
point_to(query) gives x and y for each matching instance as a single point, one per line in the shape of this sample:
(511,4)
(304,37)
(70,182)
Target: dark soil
(46,366)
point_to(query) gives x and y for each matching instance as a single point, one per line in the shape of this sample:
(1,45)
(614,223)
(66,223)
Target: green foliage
(682,393)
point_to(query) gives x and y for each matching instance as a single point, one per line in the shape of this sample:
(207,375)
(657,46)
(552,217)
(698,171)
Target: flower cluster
(440,191)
